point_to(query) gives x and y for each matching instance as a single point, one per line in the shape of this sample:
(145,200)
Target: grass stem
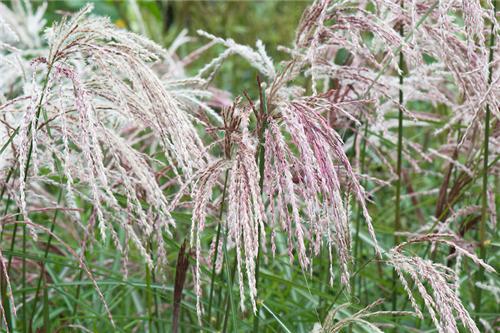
(230,306)
(357,244)
(484,194)
(217,239)
(24,315)
(397,217)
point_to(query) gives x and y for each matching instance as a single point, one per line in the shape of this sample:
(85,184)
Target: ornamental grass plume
(80,116)
(311,181)
(308,181)
(91,92)
(245,209)
(454,73)
(440,296)
(361,318)
(305,180)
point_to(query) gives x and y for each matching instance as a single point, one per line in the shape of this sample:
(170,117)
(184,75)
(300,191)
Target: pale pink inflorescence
(457,76)
(245,217)
(87,109)
(441,296)
(95,86)
(310,182)
(306,180)
(245,210)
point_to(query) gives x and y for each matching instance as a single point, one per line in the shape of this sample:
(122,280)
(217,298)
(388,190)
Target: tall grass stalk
(91,219)
(46,307)
(359,214)
(152,296)
(24,286)
(24,316)
(397,215)
(41,277)
(28,160)
(230,305)
(484,194)
(216,253)
(58,167)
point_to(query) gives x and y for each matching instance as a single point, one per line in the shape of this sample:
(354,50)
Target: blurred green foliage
(273,22)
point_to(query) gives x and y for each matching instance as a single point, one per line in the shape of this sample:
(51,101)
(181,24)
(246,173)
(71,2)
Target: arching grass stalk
(484,194)
(28,159)
(397,217)
(262,120)
(445,211)
(5,301)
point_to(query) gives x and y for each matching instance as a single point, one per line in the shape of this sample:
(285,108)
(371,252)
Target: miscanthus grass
(137,196)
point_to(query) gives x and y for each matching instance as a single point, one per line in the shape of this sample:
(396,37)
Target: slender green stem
(342,289)
(28,160)
(5,300)
(24,239)
(217,239)
(358,243)
(155,294)
(6,144)
(42,272)
(46,313)
(24,313)
(230,280)
(157,300)
(49,241)
(152,296)
(3,284)
(80,275)
(4,187)
(484,206)
(397,217)
(149,292)
(77,294)
(212,277)
(220,301)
